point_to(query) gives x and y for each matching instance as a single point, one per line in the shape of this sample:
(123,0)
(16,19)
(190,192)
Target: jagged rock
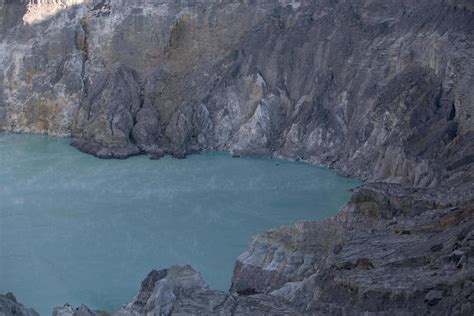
(106,119)
(358,262)
(377,89)
(179,290)
(355,85)
(10,307)
(83,310)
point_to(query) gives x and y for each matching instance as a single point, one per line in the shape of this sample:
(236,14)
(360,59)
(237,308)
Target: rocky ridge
(10,306)
(378,90)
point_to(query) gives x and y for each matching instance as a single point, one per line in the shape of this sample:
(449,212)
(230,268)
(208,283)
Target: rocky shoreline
(391,251)
(377,90)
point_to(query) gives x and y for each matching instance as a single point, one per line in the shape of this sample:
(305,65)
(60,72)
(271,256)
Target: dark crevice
(247,292)
(84,49)
(134,115)
(452,113)
(438,97)
(59,72)
(83,46)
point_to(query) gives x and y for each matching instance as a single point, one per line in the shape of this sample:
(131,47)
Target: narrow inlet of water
(77,229)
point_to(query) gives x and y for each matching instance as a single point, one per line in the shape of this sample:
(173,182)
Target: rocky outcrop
(107,116)
(392,250)
(10,307)
(376,255)
(380,90)
(357,85)
(83,310)
(179,290)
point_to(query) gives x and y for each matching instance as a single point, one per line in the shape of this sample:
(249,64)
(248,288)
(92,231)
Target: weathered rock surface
(10,307)
(357,85)
(390,249)
(83,310)
(179,290)
(377,89)
(108,113)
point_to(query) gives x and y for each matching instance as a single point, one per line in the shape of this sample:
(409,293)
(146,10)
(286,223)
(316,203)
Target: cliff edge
(379,90)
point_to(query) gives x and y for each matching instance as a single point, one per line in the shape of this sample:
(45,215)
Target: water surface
(77,229)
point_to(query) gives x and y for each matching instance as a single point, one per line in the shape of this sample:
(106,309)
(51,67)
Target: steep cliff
(357,85)
(381,90)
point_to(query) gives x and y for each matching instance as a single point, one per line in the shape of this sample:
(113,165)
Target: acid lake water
(77,229)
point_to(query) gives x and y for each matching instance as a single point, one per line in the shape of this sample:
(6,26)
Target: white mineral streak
(41,10)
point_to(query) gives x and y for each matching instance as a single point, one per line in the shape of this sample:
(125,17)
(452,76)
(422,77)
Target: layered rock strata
(357,85)
(380,90)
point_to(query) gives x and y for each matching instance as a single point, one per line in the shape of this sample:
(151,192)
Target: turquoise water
(77,229)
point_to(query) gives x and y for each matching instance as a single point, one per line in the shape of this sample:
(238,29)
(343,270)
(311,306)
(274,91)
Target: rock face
(83,310)
(391,249)
(108,114)
(380,90)
(10,307)
(357,85)
(179,290)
